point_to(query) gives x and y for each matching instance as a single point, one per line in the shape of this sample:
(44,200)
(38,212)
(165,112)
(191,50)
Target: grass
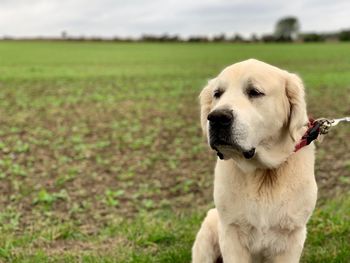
(101,154)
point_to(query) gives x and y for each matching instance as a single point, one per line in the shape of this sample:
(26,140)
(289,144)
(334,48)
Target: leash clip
(325,125)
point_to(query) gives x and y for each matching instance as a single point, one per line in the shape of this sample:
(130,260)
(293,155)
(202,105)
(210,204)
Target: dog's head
(253,111)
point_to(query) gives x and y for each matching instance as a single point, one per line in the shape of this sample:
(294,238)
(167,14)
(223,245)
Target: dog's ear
(206,99)
(296,96)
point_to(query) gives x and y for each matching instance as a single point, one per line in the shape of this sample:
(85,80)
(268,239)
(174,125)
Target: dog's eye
(254,92)
(217,93)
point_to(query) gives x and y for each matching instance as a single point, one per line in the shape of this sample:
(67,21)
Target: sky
(132,18)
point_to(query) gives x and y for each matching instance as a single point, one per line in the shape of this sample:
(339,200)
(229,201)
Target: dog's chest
(263,220)
(261,228)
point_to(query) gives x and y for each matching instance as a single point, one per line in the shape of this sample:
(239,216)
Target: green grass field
(102,157)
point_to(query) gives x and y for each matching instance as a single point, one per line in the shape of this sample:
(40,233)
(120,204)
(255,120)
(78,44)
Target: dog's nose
(221,117)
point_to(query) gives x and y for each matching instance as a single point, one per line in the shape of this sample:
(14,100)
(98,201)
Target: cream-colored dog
(253,115)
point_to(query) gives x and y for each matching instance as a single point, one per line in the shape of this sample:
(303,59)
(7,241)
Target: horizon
(66,36)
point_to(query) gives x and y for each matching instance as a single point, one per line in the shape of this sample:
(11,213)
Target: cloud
(135,17)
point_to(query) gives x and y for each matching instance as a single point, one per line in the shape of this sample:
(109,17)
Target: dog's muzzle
(220,133)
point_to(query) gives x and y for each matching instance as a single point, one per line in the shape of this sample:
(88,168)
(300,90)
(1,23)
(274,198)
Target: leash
(318,127)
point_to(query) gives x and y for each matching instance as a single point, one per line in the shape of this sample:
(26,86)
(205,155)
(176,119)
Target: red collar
(311,134)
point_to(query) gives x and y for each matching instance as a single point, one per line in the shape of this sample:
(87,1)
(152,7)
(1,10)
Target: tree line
(286,29)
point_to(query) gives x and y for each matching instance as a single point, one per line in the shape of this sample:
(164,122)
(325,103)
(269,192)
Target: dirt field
(99,139)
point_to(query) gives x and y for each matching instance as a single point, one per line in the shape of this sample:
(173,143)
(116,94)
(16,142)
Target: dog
(253,114)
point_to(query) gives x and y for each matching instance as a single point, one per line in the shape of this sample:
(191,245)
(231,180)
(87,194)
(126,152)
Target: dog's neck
(272,153)
(266,179)
(276,151)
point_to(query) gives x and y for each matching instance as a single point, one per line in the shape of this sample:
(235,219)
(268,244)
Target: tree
(312,37)
(268,38)
(287,29)
(237,38)
(254,38)
(219,38)
(344,35)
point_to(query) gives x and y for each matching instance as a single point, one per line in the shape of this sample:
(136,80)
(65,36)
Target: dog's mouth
(227,146)
(224,149)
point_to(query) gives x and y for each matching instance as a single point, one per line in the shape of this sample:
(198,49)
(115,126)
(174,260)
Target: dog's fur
(262,203)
